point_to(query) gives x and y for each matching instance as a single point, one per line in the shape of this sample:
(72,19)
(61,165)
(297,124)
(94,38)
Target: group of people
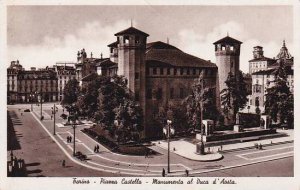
(69,139)
(96,148)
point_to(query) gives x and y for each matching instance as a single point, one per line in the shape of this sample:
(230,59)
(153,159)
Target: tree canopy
(71,92)
(279,99)
(234,97)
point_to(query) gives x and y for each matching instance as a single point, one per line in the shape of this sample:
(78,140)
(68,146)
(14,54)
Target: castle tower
(258,52)
(131,44)
(227,51)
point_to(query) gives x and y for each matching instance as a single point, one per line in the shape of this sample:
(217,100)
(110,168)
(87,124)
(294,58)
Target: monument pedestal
(238,128)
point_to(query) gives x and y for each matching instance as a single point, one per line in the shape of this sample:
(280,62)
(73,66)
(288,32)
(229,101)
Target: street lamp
(169,123)
(54,110)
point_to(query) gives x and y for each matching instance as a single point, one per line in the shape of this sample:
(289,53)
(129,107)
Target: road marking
(236,166)
(266,150)
(273,155)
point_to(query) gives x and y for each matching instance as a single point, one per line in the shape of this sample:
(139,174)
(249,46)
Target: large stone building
(29,85)
(259,61)
(158,74)
(262,79)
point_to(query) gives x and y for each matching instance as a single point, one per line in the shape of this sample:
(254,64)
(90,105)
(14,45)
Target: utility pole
(169,122)
(54,110)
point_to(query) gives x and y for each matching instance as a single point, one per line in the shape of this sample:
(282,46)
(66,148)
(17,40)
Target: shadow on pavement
(12,136)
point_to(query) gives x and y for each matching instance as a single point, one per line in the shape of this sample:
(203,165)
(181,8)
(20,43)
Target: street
(43,153)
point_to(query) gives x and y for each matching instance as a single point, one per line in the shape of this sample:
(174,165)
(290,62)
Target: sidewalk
(188,150)
(288,138)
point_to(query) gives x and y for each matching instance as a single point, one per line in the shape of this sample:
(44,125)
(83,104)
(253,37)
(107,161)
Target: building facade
(158,74)
(30,85)
(262,80)
(259,61)
(65,71)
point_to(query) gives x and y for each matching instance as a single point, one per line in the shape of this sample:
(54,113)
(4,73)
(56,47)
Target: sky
(40,36)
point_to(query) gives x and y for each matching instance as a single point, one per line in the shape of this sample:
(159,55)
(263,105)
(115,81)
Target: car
(27,110)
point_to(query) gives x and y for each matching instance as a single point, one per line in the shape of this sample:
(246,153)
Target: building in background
(30,85)
(262,80)
(259,61)
(65,71)
(12,81)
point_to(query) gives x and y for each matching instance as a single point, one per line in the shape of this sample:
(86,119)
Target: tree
(200,104)
(257,110)
(112,93)
(71,93)
(279,99)
(129,121)
(88,103)
(234,97)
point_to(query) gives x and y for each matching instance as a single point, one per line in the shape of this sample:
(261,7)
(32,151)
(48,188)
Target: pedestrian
(260,146)
(63,163)
(70,138)
(163,172)
(51,117)
(187,173)
(98,148)
(95,148)
(208,149)
(221,147)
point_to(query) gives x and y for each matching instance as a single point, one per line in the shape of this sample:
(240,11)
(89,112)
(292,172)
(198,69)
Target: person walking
(187,173)
(63,163)
(70,138)
(97,147)
(163,172)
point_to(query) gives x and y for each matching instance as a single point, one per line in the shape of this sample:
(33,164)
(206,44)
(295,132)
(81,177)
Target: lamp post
(169,123)
(54,110)
(74,126)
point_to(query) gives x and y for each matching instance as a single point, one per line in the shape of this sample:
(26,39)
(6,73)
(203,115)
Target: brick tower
(131,50)
(227,51)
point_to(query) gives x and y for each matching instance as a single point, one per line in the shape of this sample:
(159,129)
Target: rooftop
(165,54)
(131,30)
(228,40)
(262,59)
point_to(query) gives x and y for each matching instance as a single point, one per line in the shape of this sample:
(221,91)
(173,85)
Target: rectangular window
(154,71)
(136,76)
(175,71)
(181,95)
(147,71)
(171,93)
(194,71)
(168,71)
(159,94)
(188,71)
(181,71)
(161,71)
(149,93)
(126,40)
